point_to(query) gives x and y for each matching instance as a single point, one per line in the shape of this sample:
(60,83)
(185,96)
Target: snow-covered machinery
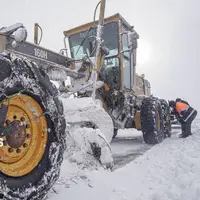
(32,117)
(33,133)
(125,95)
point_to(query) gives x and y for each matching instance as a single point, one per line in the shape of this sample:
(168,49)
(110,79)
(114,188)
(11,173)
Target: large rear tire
(152,121)
(30,166)
(166,117)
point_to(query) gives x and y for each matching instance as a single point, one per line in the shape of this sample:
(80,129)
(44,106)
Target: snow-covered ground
(168,171)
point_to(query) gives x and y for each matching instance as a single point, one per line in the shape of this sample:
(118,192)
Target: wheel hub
(16,138)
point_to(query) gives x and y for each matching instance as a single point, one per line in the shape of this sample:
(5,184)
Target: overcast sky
(169,35)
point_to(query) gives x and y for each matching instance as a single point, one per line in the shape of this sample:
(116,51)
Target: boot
(184,135)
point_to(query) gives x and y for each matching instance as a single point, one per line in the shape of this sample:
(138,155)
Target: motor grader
(32,117)
(125,95)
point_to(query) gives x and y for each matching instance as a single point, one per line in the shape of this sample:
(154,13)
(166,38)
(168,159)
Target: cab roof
(84,27)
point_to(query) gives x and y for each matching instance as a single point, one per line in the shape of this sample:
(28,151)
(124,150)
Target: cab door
(126,57)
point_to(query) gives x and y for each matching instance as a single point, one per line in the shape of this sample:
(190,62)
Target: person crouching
(186,116)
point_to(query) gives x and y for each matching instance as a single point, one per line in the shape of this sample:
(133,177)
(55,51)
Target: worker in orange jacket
(174,112)
(186,116)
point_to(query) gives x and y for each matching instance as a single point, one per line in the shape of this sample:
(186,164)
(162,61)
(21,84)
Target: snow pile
(168,171)
(80,110)
(79,149)
(81,139)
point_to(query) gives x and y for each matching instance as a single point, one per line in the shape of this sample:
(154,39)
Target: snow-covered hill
(168,171)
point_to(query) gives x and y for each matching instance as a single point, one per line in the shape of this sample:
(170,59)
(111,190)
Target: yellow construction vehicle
(32,118)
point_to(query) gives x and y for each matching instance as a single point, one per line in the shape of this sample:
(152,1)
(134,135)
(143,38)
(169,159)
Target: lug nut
(22,119)
(7,122)
(10,150)
(18,150)
(25,145)
(14,117)
(27,126)
(5,143)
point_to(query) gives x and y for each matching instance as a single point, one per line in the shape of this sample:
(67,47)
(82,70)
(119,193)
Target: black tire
(150,109)
(25,77)
(166,118)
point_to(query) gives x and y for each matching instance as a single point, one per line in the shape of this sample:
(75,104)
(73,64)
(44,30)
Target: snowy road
(128,145)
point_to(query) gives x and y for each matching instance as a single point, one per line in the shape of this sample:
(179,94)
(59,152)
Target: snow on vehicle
(33,120)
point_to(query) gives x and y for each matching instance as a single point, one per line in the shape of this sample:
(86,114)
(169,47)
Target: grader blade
(82,114)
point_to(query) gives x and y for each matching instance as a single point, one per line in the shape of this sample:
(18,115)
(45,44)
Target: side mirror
(105,50)
(132,39)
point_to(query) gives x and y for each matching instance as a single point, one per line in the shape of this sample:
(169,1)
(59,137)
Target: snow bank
(80,110)
(168,171)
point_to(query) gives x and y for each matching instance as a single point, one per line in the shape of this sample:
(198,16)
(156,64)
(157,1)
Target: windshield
(110,38)
(83,44)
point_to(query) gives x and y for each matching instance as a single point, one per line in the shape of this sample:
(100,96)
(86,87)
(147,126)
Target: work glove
(183,112)
(173,112)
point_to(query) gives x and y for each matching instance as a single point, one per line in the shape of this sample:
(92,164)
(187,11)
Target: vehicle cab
(118,69)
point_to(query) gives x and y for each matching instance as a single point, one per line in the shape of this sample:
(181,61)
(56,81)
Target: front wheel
(32,153)
(152,121)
